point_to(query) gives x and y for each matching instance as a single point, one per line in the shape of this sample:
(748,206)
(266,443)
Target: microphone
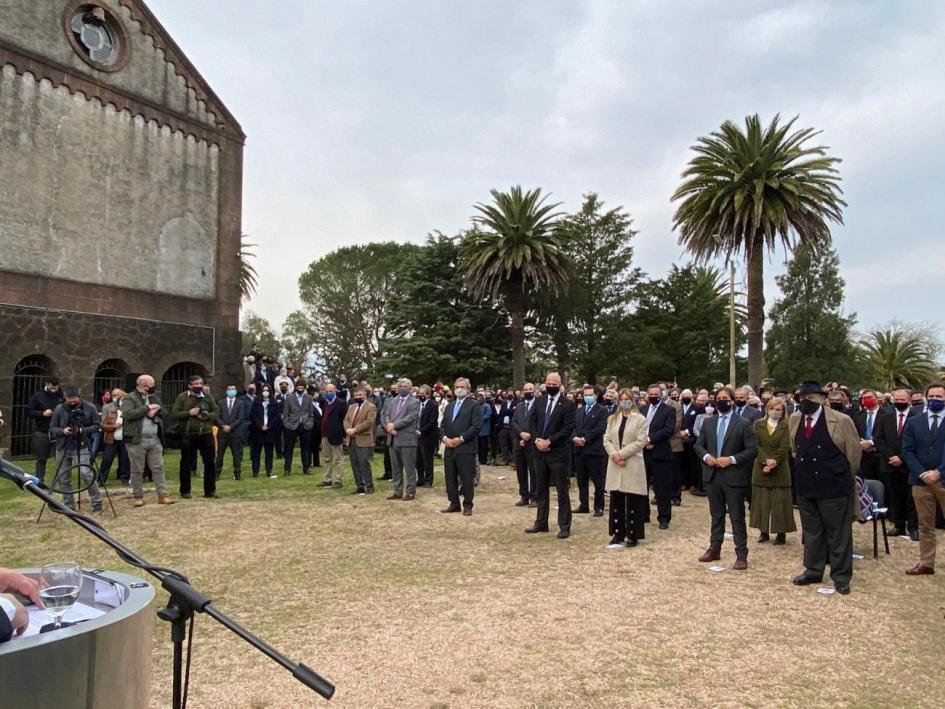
(14,474)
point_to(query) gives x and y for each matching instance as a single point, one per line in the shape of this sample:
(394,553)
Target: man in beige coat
(359,428)
(827,452)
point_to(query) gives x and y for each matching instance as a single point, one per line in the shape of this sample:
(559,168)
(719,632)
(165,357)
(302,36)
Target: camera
(75,421)
(203,409)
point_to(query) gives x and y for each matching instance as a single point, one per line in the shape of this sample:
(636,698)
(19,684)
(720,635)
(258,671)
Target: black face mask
(422,397)
(358,400)
(902,405)
(836,405)
(723,405)
(528,396)
(809,408)
(654,400)
(552,391)
(740,402)
(686,400)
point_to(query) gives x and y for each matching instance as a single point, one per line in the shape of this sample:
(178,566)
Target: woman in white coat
(624,440)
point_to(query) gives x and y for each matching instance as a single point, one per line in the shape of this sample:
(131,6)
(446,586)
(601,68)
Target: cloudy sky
(388,119)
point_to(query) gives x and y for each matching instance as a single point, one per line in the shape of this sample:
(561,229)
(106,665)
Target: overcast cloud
(386,120)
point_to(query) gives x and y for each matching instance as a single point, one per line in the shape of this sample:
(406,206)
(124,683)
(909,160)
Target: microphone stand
(184,601)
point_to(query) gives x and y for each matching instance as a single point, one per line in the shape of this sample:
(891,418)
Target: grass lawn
(401,606)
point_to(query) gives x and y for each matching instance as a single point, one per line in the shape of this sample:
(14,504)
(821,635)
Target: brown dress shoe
(408,498)
(139,502)
(920,570)
(467,511)
(710,555)
(522,503)
(395,496)
(741,564)
(450,509)
(165,500)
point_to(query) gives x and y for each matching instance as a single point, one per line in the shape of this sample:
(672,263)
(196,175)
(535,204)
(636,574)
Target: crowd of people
(825,451)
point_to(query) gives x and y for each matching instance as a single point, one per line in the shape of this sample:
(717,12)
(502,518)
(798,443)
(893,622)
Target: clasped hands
(543,444)
(618,460)
(723,461)
(931,477)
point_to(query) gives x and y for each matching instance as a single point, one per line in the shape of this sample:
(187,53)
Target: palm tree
(748,191)
(516,252)
(896,357)
(248,276)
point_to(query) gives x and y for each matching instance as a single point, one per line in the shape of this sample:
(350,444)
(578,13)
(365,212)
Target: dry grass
(401,606)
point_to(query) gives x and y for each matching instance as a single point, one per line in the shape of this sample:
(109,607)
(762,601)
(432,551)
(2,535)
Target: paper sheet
(39,618)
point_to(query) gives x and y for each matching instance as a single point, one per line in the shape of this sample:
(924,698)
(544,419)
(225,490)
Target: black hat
(811,388)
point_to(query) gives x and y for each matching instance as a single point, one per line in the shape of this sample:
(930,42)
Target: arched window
(110,374)
(28,375)
(175,380)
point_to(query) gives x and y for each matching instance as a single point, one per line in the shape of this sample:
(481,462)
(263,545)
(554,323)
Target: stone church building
(120,207)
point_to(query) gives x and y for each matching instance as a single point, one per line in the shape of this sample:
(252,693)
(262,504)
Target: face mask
(460,392)
(654,400)
(902,406)
(590,399)
(774,416)
(265,395)
(626,405)
(422,397)
(809,408)
(723,405)
(403,391)
(686,400)
(284,390)
(231,393)
(358,400)
(869,402)
(330,397)
(836,405)
(528,396)
(196,390)
(740,402)
(709,410)
(251,392)
(510,398)
(552,391)
(936,405)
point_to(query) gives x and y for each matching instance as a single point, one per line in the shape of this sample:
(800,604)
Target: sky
(387,120)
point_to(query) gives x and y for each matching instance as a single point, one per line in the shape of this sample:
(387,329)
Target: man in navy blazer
(590,458)
(550,424)
(923,450)
(460,435)
(658,454)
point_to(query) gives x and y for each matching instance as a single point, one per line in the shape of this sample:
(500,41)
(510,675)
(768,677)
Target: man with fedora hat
(827,453)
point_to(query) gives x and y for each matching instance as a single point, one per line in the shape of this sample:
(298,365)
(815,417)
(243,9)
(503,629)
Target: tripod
(184,601)
(78,441)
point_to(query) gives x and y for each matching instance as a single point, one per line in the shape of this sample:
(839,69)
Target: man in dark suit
(315,436)
(524,447)
(334,411)
(507,440)
(727,448)
(426,436)
(232,430)
(460,435)
(691,466)
(742,409)
(923,450)
(297,417)
(865,421)
(888,431)
(590,458)
(550,425)
(658,453)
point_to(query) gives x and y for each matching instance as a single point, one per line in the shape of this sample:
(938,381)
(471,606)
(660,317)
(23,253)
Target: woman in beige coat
(626,476)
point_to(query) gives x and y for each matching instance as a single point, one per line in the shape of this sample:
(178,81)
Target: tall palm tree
(897,357)
(514,251)
(748,191)
(248,276)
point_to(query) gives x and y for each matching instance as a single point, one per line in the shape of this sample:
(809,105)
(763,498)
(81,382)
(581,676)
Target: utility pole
(731,324)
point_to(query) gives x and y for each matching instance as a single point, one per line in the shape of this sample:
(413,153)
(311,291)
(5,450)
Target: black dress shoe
(677,502)
(358,491)
(598,513)
(664,525)
(763,538)
(896,532)
(616,539)
(780,540)
(536,530)
(807,579)
(185,495)
(564,534)
(212,494)
(843,589)
(914,535)
(632,542)
(581,511)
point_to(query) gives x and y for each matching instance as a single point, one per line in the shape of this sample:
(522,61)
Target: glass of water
(60,588)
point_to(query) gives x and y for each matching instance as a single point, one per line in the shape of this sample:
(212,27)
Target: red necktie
(901,424)
(809,427)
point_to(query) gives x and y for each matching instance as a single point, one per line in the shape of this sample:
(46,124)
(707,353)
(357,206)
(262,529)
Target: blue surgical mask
(330,397)
(231,393)
(935,405)
(590,399)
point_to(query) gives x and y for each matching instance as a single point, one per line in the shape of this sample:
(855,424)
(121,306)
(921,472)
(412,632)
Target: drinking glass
(60,588)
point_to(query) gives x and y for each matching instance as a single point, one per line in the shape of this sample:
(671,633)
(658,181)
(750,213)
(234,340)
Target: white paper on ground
(905,536)
(502,477)
(729,535)
(826,591)
(79,611)
(717,569)
(615,546)
(858,557)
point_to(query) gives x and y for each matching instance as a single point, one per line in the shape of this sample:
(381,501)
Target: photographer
(72,426)
(196,413)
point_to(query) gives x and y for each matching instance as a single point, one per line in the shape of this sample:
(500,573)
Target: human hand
(11,580)
(866,445)
(525,436)
(711,461)
(226,429)
(21,619)
(47,413)
(616,458)
(930,477)
(622,463)
(579,442)
(895,461)
(194,411)
(771,463)
(723,462)
(68,430)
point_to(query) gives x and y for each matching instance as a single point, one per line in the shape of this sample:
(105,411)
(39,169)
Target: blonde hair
(618,411)
(775,401)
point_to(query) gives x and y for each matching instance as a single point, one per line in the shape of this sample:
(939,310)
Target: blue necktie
(869,426)
(720,434)
(456,408)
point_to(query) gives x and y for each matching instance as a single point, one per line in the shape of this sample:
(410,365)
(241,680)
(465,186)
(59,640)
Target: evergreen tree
(810,337)
(436,330)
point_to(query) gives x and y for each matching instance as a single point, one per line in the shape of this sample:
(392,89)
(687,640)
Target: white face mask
(774,416)
(460,392)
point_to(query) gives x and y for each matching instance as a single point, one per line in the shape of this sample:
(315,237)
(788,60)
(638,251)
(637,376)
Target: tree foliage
(249,279)
(435,329)
(810,338)
(900,356)
(258,334)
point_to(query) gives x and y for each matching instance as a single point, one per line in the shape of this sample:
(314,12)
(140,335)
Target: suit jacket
(676,441)
(739,442)
(661,429)
(859,420)
(364,428)
(521,424)
(466,426)
(258,419)
(295,415)
(559,427)
(750,413)
(507,410)
(841,430)
(6,628)
(689,422)
(591,428)
(921,450)
(334,427)
(405,424)
(887,439)
(235,419)
(427,424)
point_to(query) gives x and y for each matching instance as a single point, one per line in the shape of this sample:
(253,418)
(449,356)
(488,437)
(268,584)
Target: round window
(97,36)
